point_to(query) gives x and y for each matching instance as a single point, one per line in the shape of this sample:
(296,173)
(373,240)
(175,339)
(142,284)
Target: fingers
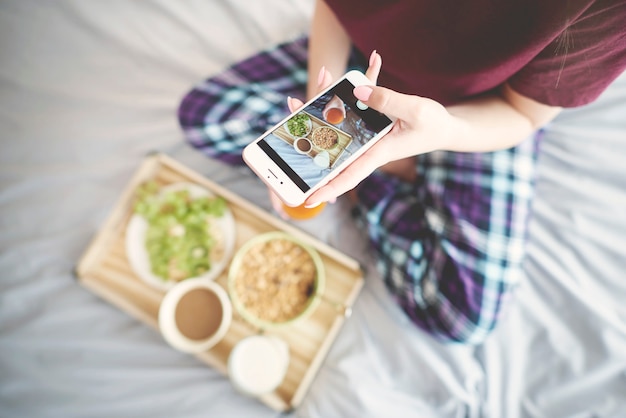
(324,79)
(349,178)
(277,205)
(375,64)
(294,104)
(396,105)
(360,168)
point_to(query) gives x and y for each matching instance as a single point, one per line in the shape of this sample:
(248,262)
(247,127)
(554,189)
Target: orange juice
(300,212)
(334,116)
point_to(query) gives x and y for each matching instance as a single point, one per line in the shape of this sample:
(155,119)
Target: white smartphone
(312,145)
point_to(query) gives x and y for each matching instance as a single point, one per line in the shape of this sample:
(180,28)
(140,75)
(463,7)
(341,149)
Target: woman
(445,197)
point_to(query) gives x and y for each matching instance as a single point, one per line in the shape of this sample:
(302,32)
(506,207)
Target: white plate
(309,126)
(136,237)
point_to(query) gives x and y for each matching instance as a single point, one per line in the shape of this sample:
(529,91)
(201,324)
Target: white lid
(258,364)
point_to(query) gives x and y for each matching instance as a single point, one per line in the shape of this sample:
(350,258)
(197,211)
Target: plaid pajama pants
(449,246)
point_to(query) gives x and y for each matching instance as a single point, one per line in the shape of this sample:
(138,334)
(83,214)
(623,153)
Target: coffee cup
(302,145)
(195,315)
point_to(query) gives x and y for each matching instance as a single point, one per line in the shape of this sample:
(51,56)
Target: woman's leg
(224,113)
(450,246)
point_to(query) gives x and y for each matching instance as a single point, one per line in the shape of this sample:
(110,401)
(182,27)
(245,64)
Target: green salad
(299,124)
(180,234)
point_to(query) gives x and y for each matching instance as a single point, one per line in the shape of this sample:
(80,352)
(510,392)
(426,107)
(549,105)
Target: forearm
(489,123)
(495,122)
(329,46)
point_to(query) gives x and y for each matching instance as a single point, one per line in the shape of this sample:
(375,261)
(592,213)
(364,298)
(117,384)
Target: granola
(276,280)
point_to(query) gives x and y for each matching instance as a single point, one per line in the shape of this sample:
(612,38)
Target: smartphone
(312,145)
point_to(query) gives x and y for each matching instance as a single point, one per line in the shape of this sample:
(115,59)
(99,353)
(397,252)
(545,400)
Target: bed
(87,89)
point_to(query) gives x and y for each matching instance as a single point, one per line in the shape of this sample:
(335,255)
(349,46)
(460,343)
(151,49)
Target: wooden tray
(104,269)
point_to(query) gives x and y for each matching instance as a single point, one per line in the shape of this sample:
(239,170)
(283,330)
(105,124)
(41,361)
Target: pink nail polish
(363,92)
(312,205)
(372,57)
(320,76)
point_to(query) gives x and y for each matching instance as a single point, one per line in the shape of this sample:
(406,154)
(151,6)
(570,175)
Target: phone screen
(322,135)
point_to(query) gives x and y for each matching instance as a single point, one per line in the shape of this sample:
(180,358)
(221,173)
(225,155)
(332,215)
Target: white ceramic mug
(195,315)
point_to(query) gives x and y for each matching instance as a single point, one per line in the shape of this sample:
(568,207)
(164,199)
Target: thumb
(391,103)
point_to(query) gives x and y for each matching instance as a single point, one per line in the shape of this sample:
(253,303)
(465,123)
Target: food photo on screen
(324,134)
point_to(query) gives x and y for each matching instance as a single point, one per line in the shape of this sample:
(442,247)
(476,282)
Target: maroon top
(558,52)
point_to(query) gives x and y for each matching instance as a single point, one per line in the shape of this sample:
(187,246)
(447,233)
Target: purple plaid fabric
(449,246)
(223,114)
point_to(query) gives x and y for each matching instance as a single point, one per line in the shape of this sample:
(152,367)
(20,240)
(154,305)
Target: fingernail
(372,57)
(320,76)
(289,101)
(363,92)
(312,205)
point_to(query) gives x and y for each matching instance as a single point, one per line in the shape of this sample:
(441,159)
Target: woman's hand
(422,125)
(324,80)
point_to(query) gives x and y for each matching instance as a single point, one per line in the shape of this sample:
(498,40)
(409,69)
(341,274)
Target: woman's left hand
(422,125)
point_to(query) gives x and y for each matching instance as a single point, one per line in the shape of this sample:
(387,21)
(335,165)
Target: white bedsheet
(88,88)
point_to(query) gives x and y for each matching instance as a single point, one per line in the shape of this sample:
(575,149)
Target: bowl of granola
(325,137)
(275,280)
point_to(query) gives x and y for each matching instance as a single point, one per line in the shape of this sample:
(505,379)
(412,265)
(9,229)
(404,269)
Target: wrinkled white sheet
(88,88)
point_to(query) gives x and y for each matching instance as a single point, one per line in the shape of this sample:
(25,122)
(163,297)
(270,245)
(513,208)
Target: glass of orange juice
(300,213)
(334,115)
(334,112)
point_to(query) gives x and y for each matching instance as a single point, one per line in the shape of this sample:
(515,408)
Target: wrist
(455,134)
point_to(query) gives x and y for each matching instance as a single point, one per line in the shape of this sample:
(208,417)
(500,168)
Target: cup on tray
(303,145)
(195,315)
(301,213)
(258,364)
